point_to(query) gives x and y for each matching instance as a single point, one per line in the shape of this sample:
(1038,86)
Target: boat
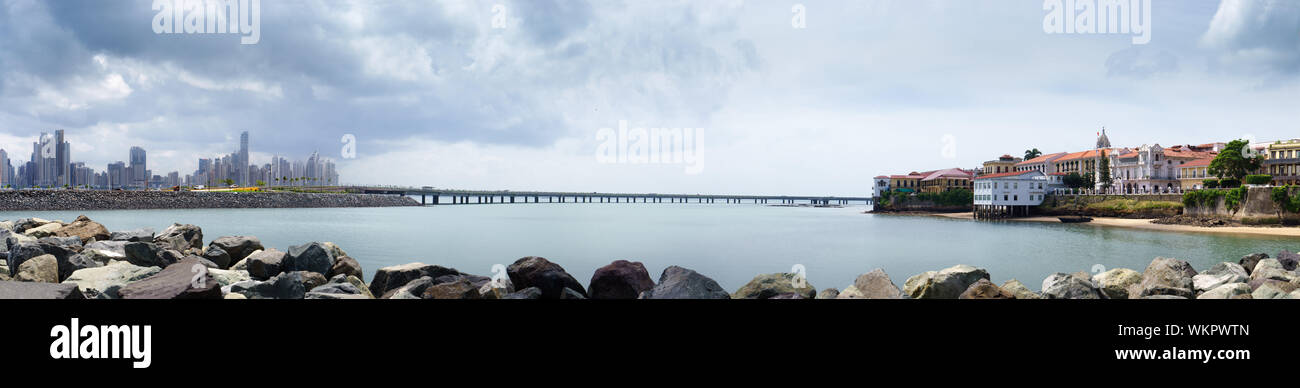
(1074,219)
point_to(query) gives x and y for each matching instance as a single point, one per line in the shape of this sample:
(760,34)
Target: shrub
(1283,198)
(1259,179)
(1211,183)
(1229,183)
(1205,197)
(1233,198)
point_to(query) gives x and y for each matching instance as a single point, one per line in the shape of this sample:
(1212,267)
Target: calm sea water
(730,243)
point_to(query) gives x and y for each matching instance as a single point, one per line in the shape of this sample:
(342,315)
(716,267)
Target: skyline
(436,95)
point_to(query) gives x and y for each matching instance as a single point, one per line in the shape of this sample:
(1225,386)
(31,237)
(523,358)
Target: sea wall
(123,200)
(1122,206)
(1256,207)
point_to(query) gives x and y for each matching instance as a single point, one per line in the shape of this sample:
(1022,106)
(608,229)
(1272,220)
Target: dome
(1102,140)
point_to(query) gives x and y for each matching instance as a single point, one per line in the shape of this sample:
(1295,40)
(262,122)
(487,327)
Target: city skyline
(51,165)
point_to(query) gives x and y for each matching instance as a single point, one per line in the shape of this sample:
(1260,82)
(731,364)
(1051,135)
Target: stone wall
(1257,207)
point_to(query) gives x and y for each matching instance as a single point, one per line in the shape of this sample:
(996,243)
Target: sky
(781,97)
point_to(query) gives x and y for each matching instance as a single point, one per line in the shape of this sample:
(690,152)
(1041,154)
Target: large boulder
(1248,261)
(621,279)
(341,284)
(105,282)
(286,285)
(43,268)
(1220,274)
(527,293)
(681,283)
(1226,291)
(985,289)
(1267,269)
(874,285)
(411,290)
(85,229)
(311,280)
(180,237)
(25,290)
(79,261)
(828,293)
(390,278)
(948,283)
(133,235)
(265,264)
(346,265)
(1019,290)
(1166,276)
(1116,283)
(186,279)
(238,247)
(1288,260)
(314,257)
(218,256)
(461,288)
(1070,286)
(1273,289)
(226,277)
(850,292)
(63,251)
(541,273)
(22,252)
(143,254)
(766,286)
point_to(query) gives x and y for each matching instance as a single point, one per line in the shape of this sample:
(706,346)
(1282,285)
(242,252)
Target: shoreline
(87,200)
(1145,223)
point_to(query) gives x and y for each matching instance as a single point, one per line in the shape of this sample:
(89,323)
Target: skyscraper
(242,166)
(139,177)
(62,160)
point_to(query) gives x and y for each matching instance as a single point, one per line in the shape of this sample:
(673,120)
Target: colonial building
(1283,162)
(1042,163)
(1004,163)
(1152,168)
(931,181)
(1192,175)
(1009,193)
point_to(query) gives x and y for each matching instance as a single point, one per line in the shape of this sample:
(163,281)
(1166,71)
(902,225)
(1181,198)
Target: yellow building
(1004,163)
(1282,161)
(1192,175)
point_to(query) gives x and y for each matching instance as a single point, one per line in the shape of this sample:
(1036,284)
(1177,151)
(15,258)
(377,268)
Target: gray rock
(118,247)
(414,288)
(765,286)
(187,279)
(146,255)
(105,282)
(1226,291)
(391,278)
(1248,261)
(1069,286)
(346,265)
(314,257)
(265,264)
(1117,283)
(875,285)
(948,283)
(218,256)
(1220,274)
(1266,269)
(538,272)
(238,247)
(1288,260)
(180,237)
(133,235)
(286,285)
(681,283)
(1166,276)
(25,290)
(226,277)
(22,252)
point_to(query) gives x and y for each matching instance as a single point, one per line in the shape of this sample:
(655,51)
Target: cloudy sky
(435,95)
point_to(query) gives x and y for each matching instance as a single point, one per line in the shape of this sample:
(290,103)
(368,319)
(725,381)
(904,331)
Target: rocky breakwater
(124,200)
(46,259)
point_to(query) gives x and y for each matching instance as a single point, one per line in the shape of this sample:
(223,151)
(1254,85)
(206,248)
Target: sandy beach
(1138,223)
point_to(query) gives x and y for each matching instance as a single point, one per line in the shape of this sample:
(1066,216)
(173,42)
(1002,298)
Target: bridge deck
(508,196)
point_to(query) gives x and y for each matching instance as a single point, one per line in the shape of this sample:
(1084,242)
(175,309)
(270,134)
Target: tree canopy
(1232,163)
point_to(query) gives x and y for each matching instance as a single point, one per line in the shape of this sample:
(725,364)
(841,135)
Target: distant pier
(435,196)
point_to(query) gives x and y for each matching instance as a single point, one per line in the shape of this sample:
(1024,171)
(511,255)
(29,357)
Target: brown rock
(85,229)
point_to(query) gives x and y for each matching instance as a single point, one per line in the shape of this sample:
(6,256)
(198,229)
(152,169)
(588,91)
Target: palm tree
(1032,153)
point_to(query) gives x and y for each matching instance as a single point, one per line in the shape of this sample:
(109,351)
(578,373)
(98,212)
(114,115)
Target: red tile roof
(1198,163)
(1082,155)
(1040,159)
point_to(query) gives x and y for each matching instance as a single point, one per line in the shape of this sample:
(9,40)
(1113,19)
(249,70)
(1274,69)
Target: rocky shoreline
(134,200)
(83,260)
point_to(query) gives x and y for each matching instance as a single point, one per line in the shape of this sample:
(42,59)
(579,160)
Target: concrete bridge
(437,196)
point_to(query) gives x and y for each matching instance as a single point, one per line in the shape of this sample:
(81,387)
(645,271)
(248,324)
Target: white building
(881,185)
(1010,193)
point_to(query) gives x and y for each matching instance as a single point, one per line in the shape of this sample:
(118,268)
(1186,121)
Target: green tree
(1032,153)
(261,182)
(1104,171)
(1073,180)
(1231,163)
